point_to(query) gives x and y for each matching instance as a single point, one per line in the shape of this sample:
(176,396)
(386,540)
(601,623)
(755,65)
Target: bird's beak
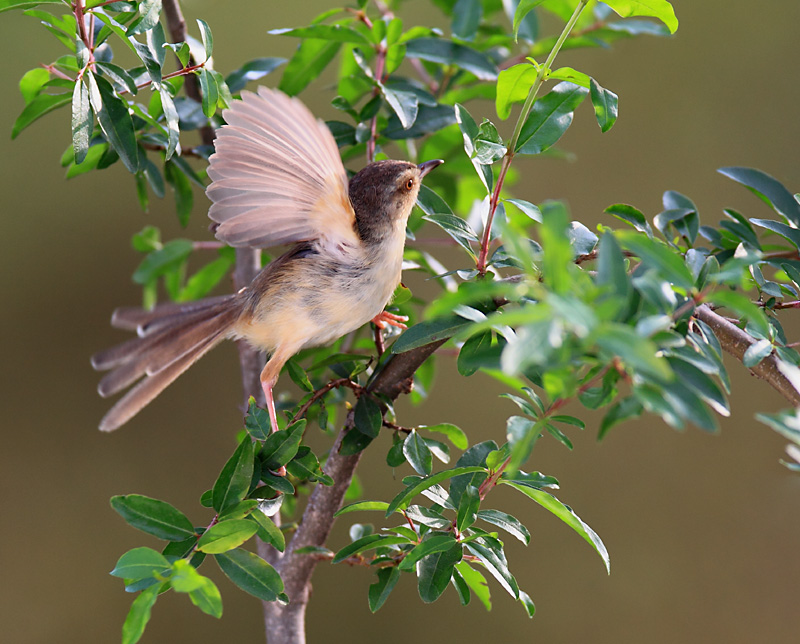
(425,168)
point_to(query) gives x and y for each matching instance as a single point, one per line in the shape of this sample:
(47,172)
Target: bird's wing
(277,177)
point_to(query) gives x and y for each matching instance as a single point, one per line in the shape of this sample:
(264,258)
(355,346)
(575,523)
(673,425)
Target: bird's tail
(171,338)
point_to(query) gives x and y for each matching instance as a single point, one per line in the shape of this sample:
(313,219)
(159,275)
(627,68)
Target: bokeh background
(703,530)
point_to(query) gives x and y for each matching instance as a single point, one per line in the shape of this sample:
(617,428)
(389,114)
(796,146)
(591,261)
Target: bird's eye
(409,184)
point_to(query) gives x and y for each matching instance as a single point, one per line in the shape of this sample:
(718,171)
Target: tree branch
(735,342)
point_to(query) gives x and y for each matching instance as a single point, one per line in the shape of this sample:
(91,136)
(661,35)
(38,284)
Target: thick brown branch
(735,342)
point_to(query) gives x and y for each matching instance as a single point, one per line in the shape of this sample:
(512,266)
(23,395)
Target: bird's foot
(384,319)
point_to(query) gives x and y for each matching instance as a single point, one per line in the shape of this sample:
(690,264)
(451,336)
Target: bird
(276,179)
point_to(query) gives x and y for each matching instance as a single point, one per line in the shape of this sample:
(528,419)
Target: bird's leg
(384,319)
(269,378)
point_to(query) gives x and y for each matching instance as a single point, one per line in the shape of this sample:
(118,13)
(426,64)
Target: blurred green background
(703,530)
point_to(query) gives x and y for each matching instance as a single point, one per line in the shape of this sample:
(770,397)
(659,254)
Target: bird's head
(383,194)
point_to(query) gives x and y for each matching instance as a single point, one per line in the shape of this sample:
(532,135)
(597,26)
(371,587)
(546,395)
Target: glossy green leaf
(476,583)
(490,552)
(660,9)
(632,216)
(792,234)
(281,446)
(226,535)
(429,119)
(140,563)
(115,120)
(456,227)
(380,590)
(433,542)
(523,9)
(149,13)
(336,33)
(767,188)
(368,417)
(429,331)
(565,513)
(454,434)
(268,532)
(369,542)
(404,104)
(446,52)
(606,105)
(81,121)
(513,86)
(207,597)
(637,352)
(139,615)
(417,453)
(252,574)
(208,39)
(402,499)
(670,265)
(7,5)
(510,524)
(550,117)
(234,480)
(435,571)
(363,505)
(153,516)
(466,19)
(756,352)
(311,57)
(38,107)
(468,506)
(473,347)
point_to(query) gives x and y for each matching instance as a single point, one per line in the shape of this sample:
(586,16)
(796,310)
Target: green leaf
(429,331)
(268,532)
(140,563)
(454,434)
(468,506)
(466,19)
(32,82)
(446,52)
(281,446)
(152,516)
(550,117)
(401,500)
(565,513)
(620,411)
(792,234)
(490,552)
(81,121)
(510,524)
(38,107)
(115,120)
(404,104)
(311,57)
(159,261)
(8,5)
(756,352)
(234,480)
(474,346)
(149,13)
(208,39)
(456,227)
(251,71)
(527,602)
(632,216)
(363,505)
(476,583)
(139,615)
(606,105)
(435,571)
(433,542)
(670,265)
(639,353)
(205,279)
(337,33)
(207,598)
(660,9)
(523,9)
(226,535)
(173,124)
(767,188)
(611,269)
(380,590)
(417,453)
(252,574)
(531,210)
(209,91)
(368,417)
(179,182)
(368,542)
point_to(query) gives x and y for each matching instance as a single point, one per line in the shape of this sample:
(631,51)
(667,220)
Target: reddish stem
(485,242)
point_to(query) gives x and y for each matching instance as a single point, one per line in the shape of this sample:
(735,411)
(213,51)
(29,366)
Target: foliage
(559,313)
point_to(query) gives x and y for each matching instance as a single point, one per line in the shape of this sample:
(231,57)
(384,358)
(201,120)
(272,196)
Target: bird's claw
(384,319)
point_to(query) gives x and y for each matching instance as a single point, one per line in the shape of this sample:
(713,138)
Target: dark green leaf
(171,117)
(115,120)
(155,517)
(281,446)
(435,571)
(565,513)
(429,119)
(161,260)
(446,52)
(523,9)
(632,216)
(368,417)
(140,563)
(380,590)
(268,531)
(550,117)
(490,552)
(149,13)
(337,33)
(404,104)
(209,90)
(252,574)
(620,411)
(768,189)
(369,542)
(7,5)
(250,71)
(669,265)
(208,39)
(38,107)
(639,353)
(417,453)
(605,104)
(234,480)
(433,542)
(466,19)
(311,57)
(509,523)
(792,234)
(468,506)
(179,182)
(473,346)
(427,332)
(401,500)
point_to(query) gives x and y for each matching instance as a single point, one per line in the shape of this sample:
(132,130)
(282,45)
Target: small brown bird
(277,178)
